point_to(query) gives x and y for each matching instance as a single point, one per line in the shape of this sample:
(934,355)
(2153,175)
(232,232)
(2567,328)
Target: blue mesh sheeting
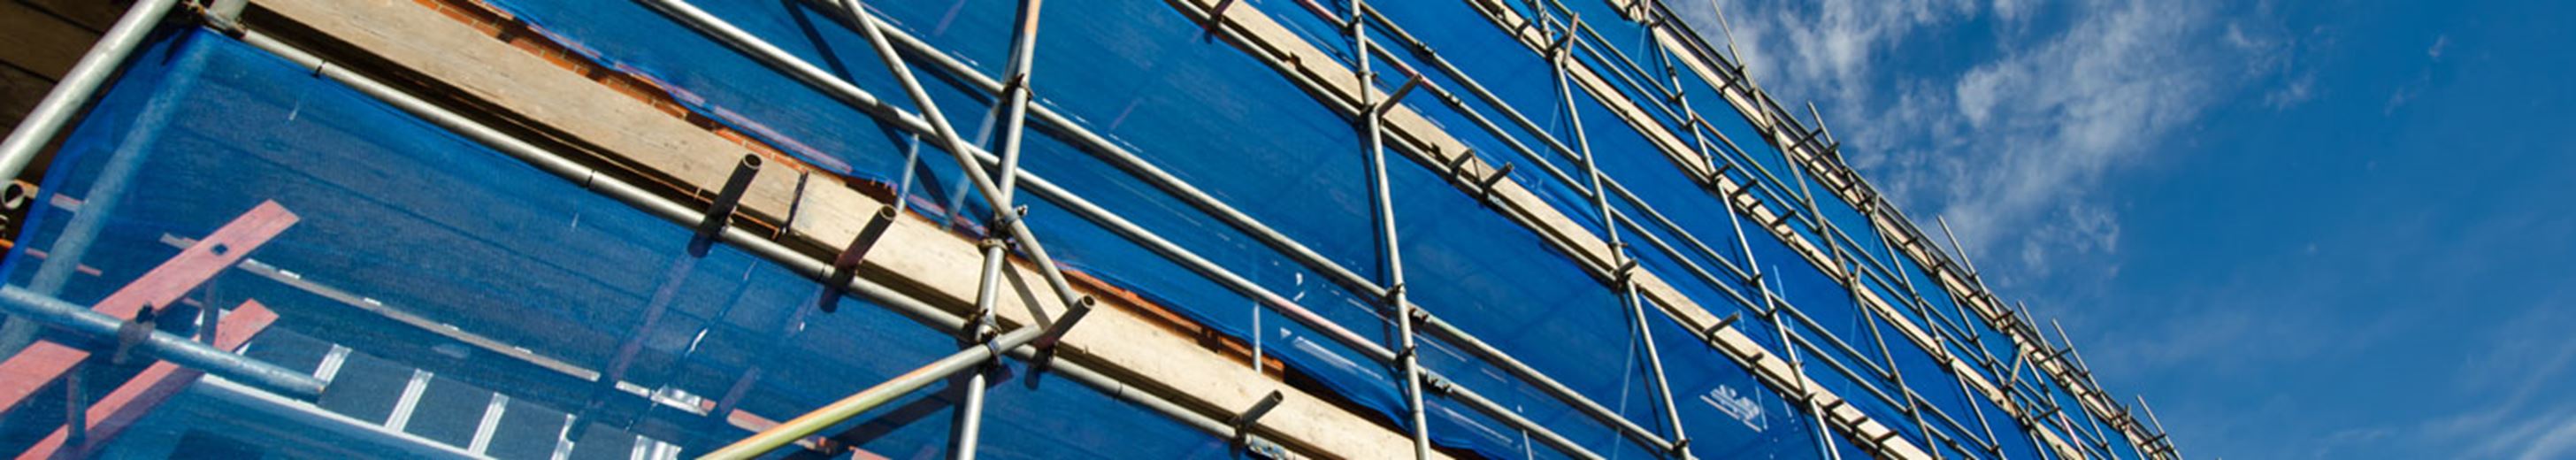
(1140,74)
(1134,72)
(402,220)
(1158,101)
(1727,412)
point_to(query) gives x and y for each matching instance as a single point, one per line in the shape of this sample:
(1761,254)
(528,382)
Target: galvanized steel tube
(23,303)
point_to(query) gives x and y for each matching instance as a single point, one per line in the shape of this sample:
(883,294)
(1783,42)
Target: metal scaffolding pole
(970,411)
(757,244)
(48,119)
(1857,186)
(1878,269)
(41,308)
(1129,161)
(1389,251)
(841,89)
(856,14)
(1041,113)
(1612,185)
(1621,263)
(1770,312)
(851,406)
(79,85)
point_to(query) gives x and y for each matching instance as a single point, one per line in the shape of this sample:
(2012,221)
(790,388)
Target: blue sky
(2321,229)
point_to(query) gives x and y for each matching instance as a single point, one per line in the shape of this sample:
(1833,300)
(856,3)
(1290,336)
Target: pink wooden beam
(200,262)
(130,402)
(41,364)
(32,369)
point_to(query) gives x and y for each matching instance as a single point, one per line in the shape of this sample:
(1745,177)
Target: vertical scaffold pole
(1017,229)
(1015,95)
(1621,265)
(997,197)
(55,111)
(1771,312)
(1389,251)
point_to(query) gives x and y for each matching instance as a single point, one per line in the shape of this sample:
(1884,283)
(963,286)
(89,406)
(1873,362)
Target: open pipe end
(845,268)
(16,195)
(720,211)
(1055,332)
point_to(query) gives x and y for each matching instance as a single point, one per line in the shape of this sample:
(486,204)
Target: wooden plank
(1428,140)
(41,364)
(916,255)
(41,43)
(95,15)
(482,68)
(1741,99)
(1408,132)
(1628,111)
(31,370)
(20,90)
(193,266)
(111,414)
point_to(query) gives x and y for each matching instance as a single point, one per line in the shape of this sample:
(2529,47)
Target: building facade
(961,228)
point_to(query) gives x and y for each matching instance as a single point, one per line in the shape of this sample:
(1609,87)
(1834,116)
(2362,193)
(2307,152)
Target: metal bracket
(1243,423)
(1263,448)
(846,266)
(1046,341)
(1458,164)
(1207,29)
(1437,385)
(1740,194)
(1802,141)
(1719,174)
(1786,215)
(1485,188)
(133,332)
(1413,80)
(1004,220)
(720,211)
(222,15)
(1722,323)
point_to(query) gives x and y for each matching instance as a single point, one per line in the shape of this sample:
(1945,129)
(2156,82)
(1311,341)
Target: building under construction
(961,228)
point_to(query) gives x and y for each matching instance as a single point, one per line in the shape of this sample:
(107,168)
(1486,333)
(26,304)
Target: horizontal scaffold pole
(754,243)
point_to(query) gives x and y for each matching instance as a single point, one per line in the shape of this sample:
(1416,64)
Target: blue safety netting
(480,289)
(1148,79)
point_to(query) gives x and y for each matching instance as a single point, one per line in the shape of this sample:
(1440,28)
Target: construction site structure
(959,228)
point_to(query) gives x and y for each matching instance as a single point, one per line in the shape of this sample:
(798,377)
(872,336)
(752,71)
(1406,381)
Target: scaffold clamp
(1207,30)
(1485,188)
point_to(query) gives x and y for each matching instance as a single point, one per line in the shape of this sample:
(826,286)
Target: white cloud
(2298,91)
(2011,9)
(2012,148)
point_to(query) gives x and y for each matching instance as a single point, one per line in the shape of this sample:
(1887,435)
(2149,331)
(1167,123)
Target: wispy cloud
(2012,148)
(2299,90)
(2406,93)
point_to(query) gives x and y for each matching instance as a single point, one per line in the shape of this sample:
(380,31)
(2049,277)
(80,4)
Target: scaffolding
(1920,318)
